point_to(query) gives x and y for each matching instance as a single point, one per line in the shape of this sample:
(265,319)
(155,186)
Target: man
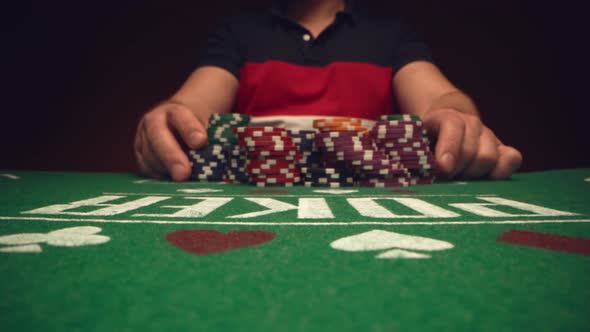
(319,57)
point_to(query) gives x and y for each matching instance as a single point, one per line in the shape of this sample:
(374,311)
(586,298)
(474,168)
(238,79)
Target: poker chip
(399,117)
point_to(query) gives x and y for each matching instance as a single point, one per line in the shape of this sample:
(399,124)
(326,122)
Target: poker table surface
(116,252)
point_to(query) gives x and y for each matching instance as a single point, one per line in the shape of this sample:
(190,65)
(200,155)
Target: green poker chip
(399,117)
(220,127)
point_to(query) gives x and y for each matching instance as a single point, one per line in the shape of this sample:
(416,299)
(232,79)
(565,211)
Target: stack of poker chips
(338,152)
(221,159)
(403,139)
(332,169)
(346,146)
(304,140)
(271,155)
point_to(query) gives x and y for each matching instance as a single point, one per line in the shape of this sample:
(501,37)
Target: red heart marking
(204,241)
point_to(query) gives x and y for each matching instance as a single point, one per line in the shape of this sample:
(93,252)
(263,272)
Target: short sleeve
(222,49)
(409,46)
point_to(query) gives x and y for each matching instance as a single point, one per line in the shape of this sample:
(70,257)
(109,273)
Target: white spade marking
(199,191)
(379,240)
(382,240)
(398,253)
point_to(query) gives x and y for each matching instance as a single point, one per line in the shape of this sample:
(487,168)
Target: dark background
(78,75)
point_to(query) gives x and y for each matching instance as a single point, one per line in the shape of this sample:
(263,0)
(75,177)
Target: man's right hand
(157,150)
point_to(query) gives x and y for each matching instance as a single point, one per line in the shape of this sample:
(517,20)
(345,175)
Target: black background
(78,75)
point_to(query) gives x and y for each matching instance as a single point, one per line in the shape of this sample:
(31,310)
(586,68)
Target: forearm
(208,90)
(456,100)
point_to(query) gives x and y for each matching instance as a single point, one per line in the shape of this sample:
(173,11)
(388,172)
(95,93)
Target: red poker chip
(406,135)
(269,157)
(266,163)
(276,170)
(408,150)
(418,167)
(414,158)
(364,160)
(402,182)
(401,141)
(273,153)
(339,134)
(358,155)
(276,148)
(409,153)
(424,180)
(287,174)
(330,140)
(388,171)
(348,149)
(279,179)
(387,147)
(356,137)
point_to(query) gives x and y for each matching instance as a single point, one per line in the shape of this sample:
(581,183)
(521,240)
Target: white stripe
(295,122)
(305,223)
(10,176)
(299,195)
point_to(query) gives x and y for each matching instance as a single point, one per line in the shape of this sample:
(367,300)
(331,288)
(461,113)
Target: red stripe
(547,241)
(338,89)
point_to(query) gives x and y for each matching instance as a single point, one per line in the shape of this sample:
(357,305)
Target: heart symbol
(382,240)
(205,242)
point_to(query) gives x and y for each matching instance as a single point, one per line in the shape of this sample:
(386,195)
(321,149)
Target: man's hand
(208,90)
(157,149)
(466,148)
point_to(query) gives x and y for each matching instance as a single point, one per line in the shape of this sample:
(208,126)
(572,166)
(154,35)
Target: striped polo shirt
(284,71)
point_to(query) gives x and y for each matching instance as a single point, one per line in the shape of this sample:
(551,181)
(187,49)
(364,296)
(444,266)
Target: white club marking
(29,248)
(66,237)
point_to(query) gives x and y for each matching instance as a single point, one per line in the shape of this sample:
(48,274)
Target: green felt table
(112,252)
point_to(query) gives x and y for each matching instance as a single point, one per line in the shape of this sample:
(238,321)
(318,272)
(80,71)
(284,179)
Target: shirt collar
(278,10)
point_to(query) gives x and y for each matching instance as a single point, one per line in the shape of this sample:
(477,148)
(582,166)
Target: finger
(187,125)
(166,148)
(152,159)
(146,170)
(470,146)
(509,161)
(450,130)
(486,157)
(149,164)
(142,153)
